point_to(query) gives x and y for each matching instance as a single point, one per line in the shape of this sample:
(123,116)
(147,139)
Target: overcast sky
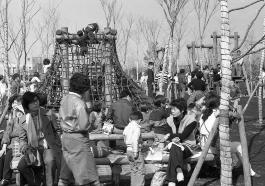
(76,14)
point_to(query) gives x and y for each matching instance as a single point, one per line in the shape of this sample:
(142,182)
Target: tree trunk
(6,61)
(225,144)
(170,56)
(164,66)
(260,81)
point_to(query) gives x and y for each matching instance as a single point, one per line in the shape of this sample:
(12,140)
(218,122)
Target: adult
(34,82)
(150,79)
(15,84)
(183,141)
(10,139)
(39,144)
(120,111)
(3,87)
(78,164)
(198,86)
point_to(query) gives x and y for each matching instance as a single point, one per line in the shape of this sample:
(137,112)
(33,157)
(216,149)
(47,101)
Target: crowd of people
(55,149)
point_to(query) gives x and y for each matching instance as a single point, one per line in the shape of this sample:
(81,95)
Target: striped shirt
(166,77)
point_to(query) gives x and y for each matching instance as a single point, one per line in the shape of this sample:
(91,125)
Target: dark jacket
(119,112)
(48,129)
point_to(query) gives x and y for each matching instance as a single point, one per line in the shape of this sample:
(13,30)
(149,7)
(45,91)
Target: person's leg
(28,173)
(138,171)
(50,166)
(2,160)
(7,171)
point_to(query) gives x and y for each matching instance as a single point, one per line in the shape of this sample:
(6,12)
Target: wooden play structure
(92,53)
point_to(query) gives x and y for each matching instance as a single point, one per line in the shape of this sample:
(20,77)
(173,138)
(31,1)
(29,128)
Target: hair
(43,99)
(212,101)
(151,63)
(199,74)
(136,115)
(46,61)
(97,107)
(15,76)
(79,83)
(215,71)
(159,100)
(181,104)
(1,77)
(144,108)
(193,73)
(36,74)
(124,93)
(191,106)
(182,71)
(15,97)
(27,98)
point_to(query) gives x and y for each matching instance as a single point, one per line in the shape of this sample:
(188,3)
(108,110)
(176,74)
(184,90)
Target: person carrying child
(132,139)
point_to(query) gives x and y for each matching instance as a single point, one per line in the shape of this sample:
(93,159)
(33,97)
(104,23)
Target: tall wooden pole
(65,65)
(215,48)
(260,80)
(225,144)
(244,144)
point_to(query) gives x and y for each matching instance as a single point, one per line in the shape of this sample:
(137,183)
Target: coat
(48,128)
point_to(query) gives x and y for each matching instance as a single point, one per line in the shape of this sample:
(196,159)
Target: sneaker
(256,175)
(4,182)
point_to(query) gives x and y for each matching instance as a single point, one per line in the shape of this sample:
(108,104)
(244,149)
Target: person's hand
(3,151)
(176,140)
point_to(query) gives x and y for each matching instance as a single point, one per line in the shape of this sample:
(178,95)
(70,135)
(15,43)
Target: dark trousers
(33,175)
(150,90)
(176,160)
(5,161)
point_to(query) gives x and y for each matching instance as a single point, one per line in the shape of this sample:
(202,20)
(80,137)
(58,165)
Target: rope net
(94,55)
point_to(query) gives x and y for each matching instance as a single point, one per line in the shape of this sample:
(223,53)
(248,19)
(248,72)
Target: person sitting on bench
(183,142)
(209,115)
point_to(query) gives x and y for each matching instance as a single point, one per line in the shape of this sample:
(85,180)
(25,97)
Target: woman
(10,139)
(183,142)
(209,115)
(39,144)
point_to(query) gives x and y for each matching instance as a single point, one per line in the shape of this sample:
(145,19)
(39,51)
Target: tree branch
(246,6)
(250,50)
(249,28)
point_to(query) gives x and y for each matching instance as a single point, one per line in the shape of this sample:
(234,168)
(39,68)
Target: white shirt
(132,134)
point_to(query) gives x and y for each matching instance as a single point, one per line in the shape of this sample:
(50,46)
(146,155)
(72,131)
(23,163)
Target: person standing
(78,164)
(150,79)
(132,139)
(15,84)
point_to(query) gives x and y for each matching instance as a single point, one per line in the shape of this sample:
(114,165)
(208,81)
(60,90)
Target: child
(132,139)
(96,116)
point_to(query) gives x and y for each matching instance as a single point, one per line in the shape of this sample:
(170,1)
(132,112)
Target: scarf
(187,120)
(31,131)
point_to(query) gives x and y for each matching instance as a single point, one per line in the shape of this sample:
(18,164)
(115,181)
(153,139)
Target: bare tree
(46,29)
(150,30)
(112,10)
(205,10)
(126,33)
(171,9)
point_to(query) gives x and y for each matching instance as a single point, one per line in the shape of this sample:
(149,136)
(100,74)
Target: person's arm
(187,131)
(23,139)
(82,118)
(135,142)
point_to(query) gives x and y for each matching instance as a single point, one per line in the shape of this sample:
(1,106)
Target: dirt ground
(256,147)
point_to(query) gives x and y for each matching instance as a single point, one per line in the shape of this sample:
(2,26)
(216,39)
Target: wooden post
(204,154)
(108,78)
(244,144)
(215,48)
(246,78)
(65,65)
(236,38)
(193,57)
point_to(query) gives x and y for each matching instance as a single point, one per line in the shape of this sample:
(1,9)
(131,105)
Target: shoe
(4,182)
(256,175)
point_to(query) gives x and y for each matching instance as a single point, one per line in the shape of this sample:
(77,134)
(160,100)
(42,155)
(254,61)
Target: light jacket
(132,135)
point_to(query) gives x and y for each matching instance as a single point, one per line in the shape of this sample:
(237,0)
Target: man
(78,164)
(15,84)
(39,144)
(120,111)
(150,79)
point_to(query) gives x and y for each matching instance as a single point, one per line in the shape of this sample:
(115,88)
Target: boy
(132,139)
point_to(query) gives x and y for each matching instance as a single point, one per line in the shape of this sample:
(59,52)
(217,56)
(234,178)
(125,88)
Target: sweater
(132,135)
